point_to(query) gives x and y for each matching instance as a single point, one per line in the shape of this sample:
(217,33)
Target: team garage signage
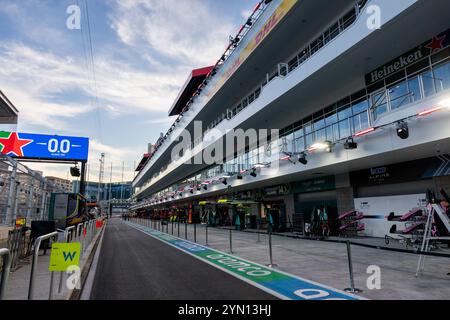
(43,147)
(424,50)
(403,172)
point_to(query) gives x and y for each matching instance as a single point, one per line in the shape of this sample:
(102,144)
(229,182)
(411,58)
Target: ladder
(427,237)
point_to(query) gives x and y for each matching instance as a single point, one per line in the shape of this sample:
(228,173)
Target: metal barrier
(352,288)
(19,245)
(271,264)
(231,241)
(195,232)
(6,263)
(66,239)
(37,245)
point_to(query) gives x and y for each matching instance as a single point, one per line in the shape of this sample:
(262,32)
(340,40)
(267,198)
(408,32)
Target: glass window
(299,144)
(330,133)
(361,121)
(309,140)
(360,106)
(308,127)
(344,128)
(331,117)
(321,135)
(298,133)
(442,76)
(344,113)
(319,123)
(399,95)
(428,83)
(414,89)
(379,104)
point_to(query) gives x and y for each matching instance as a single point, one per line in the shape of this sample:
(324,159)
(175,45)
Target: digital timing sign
(44,147)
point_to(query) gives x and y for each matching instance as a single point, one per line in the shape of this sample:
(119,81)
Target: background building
(362,113)
(63,184)
(108,191)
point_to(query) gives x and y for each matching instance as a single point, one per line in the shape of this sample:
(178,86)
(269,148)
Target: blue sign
(45,147)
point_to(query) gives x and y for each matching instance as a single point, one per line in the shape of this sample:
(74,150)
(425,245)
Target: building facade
(108,191)
(356,97)
(63,184)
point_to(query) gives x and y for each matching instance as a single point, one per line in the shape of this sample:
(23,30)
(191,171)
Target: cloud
(166,120)
(113,156)
(35,77)
(189,32)
(45,74)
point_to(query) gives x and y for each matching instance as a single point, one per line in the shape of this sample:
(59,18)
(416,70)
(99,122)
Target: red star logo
(13,145)
(436,44)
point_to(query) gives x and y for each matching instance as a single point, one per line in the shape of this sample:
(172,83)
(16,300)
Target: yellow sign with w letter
(64,255)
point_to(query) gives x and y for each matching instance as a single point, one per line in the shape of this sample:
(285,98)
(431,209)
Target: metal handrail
(5,255)
(37,245)
(66,239)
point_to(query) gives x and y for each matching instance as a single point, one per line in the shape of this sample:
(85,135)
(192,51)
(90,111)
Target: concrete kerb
(86,263)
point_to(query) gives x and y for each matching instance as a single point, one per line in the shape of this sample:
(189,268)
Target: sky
(143,51)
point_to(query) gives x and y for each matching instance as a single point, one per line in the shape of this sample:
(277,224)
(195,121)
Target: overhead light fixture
(239,176)
(261,165)
(192,191)
(205,187)
(350,144)
(75,172)
(445,103)
(364,132)
(302,159)
(325,146)
(249,22)
(402,130)
(224,181)
(181,194)
(253,173)
(198,188)
(430,111)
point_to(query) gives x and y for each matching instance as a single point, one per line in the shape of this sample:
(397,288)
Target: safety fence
(24,193)
(19,245)
(83,233)
(329,260)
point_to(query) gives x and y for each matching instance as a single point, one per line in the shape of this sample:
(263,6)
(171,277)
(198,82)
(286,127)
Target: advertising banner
(375,210)
(264,31)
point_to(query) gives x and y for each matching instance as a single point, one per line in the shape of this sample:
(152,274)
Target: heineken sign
(424,50)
